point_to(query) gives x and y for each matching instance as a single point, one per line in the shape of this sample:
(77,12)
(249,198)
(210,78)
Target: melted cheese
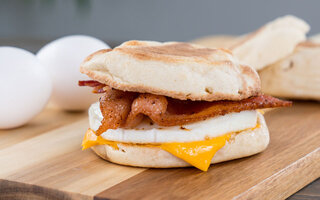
(90,139)
(198,153)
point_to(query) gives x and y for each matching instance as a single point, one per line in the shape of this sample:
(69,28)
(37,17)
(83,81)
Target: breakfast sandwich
(264,46)
(297,76)
(174,104)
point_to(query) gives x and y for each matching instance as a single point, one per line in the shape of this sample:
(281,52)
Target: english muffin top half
(178,70)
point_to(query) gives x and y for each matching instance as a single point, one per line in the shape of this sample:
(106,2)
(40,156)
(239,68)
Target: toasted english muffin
(163,68)
(297,76)
(273,41)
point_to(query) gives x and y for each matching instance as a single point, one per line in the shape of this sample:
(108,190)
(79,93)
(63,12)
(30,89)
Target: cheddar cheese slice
(199,153)
(91,139)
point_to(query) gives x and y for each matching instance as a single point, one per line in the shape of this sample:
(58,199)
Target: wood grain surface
(49,119)
(43,160)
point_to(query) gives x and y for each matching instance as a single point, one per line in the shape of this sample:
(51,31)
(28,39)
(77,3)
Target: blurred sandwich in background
(287,63)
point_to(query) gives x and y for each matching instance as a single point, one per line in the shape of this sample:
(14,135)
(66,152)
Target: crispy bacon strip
(127,109)
(172,113)
(153,106)
(90,83)
(115,106)
(97,86)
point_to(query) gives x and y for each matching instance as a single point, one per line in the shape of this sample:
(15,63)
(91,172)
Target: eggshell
(25,87)
(62,58)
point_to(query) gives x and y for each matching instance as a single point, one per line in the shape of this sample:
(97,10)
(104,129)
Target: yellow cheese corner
(90,139)
(198,154)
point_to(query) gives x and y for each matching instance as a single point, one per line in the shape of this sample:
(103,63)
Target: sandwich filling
(151,133)
(121,109)
(190,130)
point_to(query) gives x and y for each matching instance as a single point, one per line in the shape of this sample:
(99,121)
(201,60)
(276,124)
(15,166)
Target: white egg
(62,58)
(25,87)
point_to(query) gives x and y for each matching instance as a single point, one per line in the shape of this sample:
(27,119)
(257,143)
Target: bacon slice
(172,113)
(153,106)
(115,107)
(97,86)
(127,109)
(90,83)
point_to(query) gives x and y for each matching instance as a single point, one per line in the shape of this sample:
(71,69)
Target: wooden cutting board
(44,160)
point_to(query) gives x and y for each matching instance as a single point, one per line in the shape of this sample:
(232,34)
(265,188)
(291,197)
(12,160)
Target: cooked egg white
(198,131)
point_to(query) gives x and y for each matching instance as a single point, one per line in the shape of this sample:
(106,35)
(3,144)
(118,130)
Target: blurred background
(30,24)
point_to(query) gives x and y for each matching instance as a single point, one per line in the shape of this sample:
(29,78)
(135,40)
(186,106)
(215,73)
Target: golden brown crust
(163,53)
(172,52)
(174,57)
